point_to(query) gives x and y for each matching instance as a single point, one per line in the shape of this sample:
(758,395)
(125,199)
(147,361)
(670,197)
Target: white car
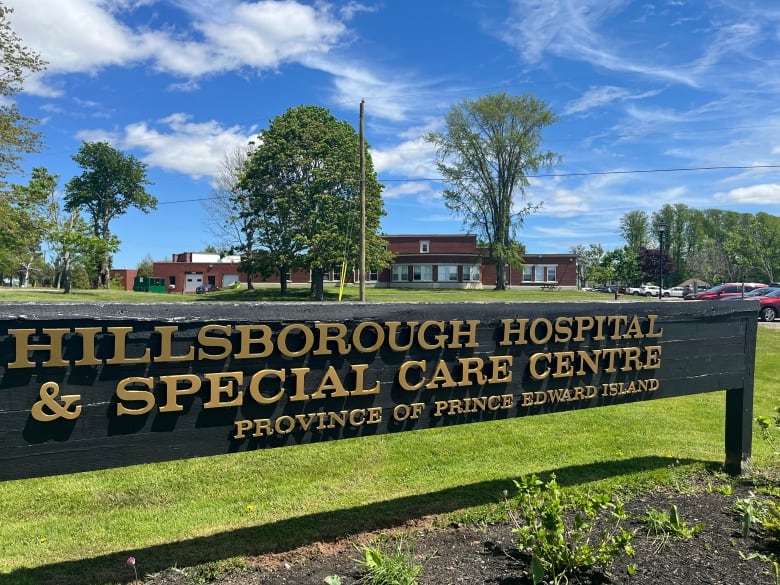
(678,291)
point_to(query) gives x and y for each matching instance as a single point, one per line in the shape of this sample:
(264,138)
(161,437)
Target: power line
(625,172)
(552,175)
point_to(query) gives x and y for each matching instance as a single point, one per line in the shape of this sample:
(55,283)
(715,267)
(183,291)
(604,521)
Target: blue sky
(639,86)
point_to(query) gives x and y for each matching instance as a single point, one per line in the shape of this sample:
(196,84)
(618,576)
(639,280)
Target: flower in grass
(250,507)
(42,539)
(131,563)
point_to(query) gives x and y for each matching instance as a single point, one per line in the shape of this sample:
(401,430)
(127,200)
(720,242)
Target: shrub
(559,531)
(391,562)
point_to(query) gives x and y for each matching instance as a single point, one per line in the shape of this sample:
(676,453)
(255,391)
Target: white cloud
(571,30)
(84,36)
(765,194)
(596,97)
(191,148)
(410,158)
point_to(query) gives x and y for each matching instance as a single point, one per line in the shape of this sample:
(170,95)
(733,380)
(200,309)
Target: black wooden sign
(87,386)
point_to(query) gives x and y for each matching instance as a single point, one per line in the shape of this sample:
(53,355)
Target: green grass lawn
(299,293)
(80,528)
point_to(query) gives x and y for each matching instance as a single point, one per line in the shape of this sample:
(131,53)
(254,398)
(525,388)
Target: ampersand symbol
(53,408)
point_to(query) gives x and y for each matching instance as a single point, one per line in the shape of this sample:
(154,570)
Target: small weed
(389,563)
(332,580)
(767,559)
(210,572)
(667,525)
(558,531)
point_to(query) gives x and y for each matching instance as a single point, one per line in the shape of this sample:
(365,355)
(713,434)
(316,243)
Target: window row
(444,273)
(540,273)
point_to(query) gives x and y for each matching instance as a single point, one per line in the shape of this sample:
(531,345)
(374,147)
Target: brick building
(456,261)
(420,261)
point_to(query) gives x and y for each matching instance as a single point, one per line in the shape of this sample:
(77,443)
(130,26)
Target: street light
(661,230)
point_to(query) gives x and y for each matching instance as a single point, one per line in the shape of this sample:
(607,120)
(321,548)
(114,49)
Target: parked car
(726,290)
(680,291)
(206,288)
(769,308)
(755,294)
(643,290)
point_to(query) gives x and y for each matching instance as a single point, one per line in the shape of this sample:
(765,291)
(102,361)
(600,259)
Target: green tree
(146,266)
(16,63)
(33,220)
(635,230)
(303,186)
(229,213)
(594,270)
(488,149)
(110,184)
(625,267)
(683,239)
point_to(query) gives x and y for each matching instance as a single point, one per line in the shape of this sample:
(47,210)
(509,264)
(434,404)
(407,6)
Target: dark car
(769,308)
(724,291)
(755,294)
(206,288)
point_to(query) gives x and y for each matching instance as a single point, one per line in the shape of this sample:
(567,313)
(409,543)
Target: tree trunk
(317,284)
(283,279)
(66,284)
(500,274)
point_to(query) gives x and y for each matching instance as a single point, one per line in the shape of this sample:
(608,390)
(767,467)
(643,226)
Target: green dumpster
(149,284)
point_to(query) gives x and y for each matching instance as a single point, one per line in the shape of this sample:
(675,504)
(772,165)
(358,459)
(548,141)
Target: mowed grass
(80,528)
(300,293)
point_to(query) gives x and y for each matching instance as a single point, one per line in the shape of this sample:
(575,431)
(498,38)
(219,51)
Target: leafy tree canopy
(16,62)
(301,193)
(112,183)
(485,154)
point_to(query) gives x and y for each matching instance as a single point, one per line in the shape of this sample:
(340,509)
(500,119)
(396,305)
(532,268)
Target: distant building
(456,261)
(420,261)
(124,276)
(189,270)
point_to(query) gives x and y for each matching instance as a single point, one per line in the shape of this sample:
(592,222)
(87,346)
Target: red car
(724,291)
(770,306)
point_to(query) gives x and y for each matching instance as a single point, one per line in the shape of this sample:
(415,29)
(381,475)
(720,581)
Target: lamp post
(661,230)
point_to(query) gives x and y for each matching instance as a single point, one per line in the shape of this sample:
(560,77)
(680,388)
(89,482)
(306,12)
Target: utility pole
(362,206)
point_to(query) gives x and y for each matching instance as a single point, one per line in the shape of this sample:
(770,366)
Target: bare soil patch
(719,554)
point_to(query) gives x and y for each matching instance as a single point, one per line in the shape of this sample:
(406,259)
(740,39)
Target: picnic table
(550,286)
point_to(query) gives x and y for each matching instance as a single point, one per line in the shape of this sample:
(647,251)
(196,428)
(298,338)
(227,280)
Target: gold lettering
(472,366)
(439,339)
(254,386)
(360,389)
(308,340)
(357,340)
(501,372)
(120,348)
(441,377)
(125,393)
(191,385)
(403,373)
(206,340)
(470,334)
(392,334)
(247,341)
(88,357)
(509,331)
(330,382)
(166,345)
(325,336)
(23,347)
(219,387)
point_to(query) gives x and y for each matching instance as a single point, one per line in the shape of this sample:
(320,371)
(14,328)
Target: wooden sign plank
(86,386)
